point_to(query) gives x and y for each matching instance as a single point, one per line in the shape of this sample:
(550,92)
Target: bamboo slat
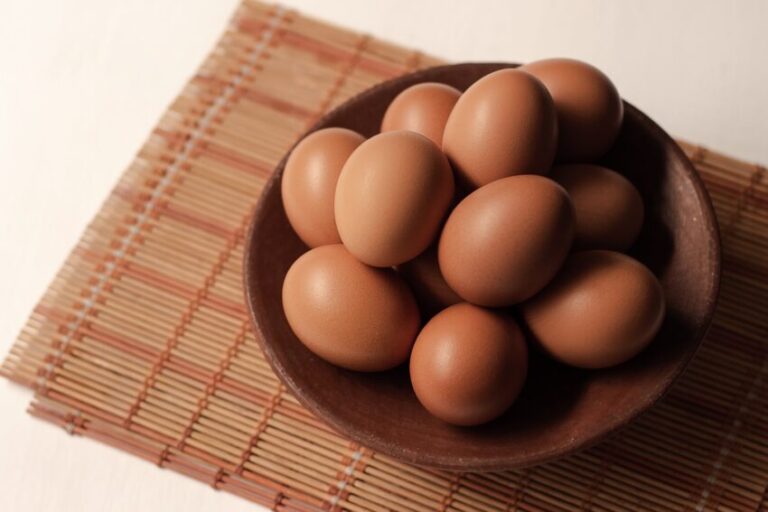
(142,340)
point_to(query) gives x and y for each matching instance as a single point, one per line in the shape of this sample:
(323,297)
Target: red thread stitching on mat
(215,380)
(698,154)
(269,410)
(163,457)
(448,498)
(225,254)
(744,198)
(597,481)
(326,50)
(354,60)
(226,361)
(279,497)
(522,483)
(763,499)
(413,61)
(73,421)
(217,478)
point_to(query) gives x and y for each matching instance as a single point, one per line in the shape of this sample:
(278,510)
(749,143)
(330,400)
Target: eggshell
(468,364)
(427,283)
(506,240)
(589,108)
(391,197)
(309,183)
(609,209)
(602,309)
(504,124)
(352,315)
(422,108)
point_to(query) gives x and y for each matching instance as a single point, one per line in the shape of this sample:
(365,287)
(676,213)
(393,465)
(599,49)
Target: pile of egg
(468,214)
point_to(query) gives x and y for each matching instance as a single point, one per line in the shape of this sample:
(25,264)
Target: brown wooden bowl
(561,409)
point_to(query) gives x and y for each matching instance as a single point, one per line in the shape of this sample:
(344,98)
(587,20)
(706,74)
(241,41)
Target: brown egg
(589,108)
(427,283)
(504,124)
(348,313)
(506,240)
(309,183)
(391,197)
(422,108)
(609,209)
(602,309)
(468,364)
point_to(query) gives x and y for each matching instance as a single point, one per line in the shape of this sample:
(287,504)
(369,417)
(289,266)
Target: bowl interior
(561,409)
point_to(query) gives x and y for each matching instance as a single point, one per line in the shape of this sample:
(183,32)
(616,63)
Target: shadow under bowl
(561,409)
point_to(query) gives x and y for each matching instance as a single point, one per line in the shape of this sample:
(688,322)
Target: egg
(309,181)
(427,283)
(506,240)
(391,197)
(609,209)
(602,309)
(468,364)
(422,108)
(503,125)
(352,315)
(589,108)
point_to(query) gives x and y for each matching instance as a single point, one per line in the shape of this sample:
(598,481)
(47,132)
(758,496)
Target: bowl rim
(500,462)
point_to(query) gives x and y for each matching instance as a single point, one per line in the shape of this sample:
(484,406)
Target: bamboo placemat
(142,340)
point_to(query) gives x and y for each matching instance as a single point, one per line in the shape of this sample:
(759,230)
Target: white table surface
(83,81)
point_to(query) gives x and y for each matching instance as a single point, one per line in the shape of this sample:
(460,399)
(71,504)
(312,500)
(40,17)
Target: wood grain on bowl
(560,409)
